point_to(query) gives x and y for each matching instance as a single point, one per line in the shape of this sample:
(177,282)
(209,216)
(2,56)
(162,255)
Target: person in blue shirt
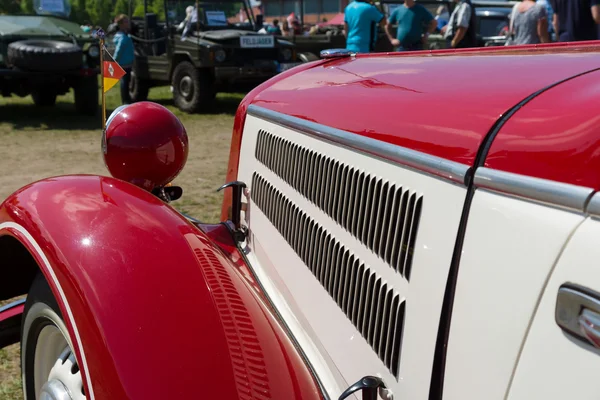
(414,21)
(360,18)
(274,29)
(124,54)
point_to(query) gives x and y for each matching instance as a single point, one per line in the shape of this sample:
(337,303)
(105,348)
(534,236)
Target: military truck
(202,48)
(45,56)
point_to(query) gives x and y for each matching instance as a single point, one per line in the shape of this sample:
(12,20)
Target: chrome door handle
(578,313)
(589,323)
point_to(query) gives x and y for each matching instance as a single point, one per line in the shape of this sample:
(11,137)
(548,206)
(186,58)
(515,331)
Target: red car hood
(441,103)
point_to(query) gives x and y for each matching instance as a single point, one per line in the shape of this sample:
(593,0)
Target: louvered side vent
(247,359)
(374,308)
(383,216)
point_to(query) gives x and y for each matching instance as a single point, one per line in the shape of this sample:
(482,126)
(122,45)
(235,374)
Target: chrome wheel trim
(55,369)
(186,86)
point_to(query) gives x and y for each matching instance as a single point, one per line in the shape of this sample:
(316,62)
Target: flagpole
(101,36)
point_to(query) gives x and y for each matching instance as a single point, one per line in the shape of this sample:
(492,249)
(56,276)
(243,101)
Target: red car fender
(154,308)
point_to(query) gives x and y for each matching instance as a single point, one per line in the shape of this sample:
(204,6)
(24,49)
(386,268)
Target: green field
(43,142)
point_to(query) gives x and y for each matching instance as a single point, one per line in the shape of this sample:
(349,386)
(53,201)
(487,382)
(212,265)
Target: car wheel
(86,95)
(48,365)
(44,98)
(192,88)
(138,88)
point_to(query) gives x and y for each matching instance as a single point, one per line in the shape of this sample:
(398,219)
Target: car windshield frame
(209,5)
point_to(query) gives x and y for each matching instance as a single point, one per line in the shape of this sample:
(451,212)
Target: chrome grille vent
(374,308)
(383,216)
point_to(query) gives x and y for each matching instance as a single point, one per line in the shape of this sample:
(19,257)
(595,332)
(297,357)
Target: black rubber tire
(44,97)
(86,95)
(45,55)
(201,92)
(39,294)
(138,88)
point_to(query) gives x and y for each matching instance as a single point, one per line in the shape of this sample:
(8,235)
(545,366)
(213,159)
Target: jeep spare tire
(45,55)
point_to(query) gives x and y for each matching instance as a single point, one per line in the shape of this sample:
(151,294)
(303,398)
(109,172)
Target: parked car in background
(366,244)
(210,54)
(45,56)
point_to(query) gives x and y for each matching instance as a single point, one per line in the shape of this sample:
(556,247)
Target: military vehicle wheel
(86,95)
(192,88)
(138,88)
(44,98)
(44,55)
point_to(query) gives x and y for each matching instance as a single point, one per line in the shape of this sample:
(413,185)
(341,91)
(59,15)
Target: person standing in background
(460,30)
(274,29)
(576,20)
(550,13)
(414,21)
(360,18)
(124,54)
(528,23)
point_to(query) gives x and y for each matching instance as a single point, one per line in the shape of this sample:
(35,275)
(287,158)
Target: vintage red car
(407,226)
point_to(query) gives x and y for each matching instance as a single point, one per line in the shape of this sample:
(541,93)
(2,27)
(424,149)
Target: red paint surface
(555,136)
(238,127)
(162,312)
(441,103)
(146,145)
(12,312)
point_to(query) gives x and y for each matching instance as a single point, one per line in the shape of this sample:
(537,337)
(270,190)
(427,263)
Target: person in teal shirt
(124,54)
(413,21)
(360,18)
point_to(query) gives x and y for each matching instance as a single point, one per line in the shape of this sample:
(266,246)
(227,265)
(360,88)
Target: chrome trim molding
(542,190)
(14,304)
(593,206)
(336,53)
(437,166)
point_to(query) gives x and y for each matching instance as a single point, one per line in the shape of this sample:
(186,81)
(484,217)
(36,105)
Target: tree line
(95,12)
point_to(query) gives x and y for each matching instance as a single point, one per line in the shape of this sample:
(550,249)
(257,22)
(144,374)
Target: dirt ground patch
(37,143)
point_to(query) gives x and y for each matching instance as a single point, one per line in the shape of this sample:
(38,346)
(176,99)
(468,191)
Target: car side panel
(155,308)
(554,364)
(509,249)
(561,146)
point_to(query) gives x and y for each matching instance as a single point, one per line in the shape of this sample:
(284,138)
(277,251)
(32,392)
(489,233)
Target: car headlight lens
(287,54)
(220,55)
(94,51)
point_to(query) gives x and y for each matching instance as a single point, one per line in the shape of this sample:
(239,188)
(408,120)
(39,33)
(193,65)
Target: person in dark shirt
(576,20)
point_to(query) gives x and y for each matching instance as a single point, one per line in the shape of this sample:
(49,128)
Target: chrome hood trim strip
(559,194)
(433,165)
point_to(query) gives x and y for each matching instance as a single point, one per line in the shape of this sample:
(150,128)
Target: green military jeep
(47,55)
(202,48)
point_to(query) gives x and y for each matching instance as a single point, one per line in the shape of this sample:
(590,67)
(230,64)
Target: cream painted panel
(553,365)
(510,247)
(335,347)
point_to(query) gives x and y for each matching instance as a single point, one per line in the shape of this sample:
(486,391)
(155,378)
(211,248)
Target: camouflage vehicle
(213,49)
(45,56)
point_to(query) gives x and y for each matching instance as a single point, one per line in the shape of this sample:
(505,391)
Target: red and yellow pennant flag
(111,71)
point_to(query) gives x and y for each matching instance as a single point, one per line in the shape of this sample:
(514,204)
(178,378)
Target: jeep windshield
(211,15)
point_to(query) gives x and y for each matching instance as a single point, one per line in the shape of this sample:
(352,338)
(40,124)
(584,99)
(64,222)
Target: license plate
(286,66)
(262,41)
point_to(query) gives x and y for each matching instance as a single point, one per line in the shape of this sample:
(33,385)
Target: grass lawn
(43,142)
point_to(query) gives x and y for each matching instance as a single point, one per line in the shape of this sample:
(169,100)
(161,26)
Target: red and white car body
(429,219)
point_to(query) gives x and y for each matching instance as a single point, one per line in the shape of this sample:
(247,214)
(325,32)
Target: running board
(10,322)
